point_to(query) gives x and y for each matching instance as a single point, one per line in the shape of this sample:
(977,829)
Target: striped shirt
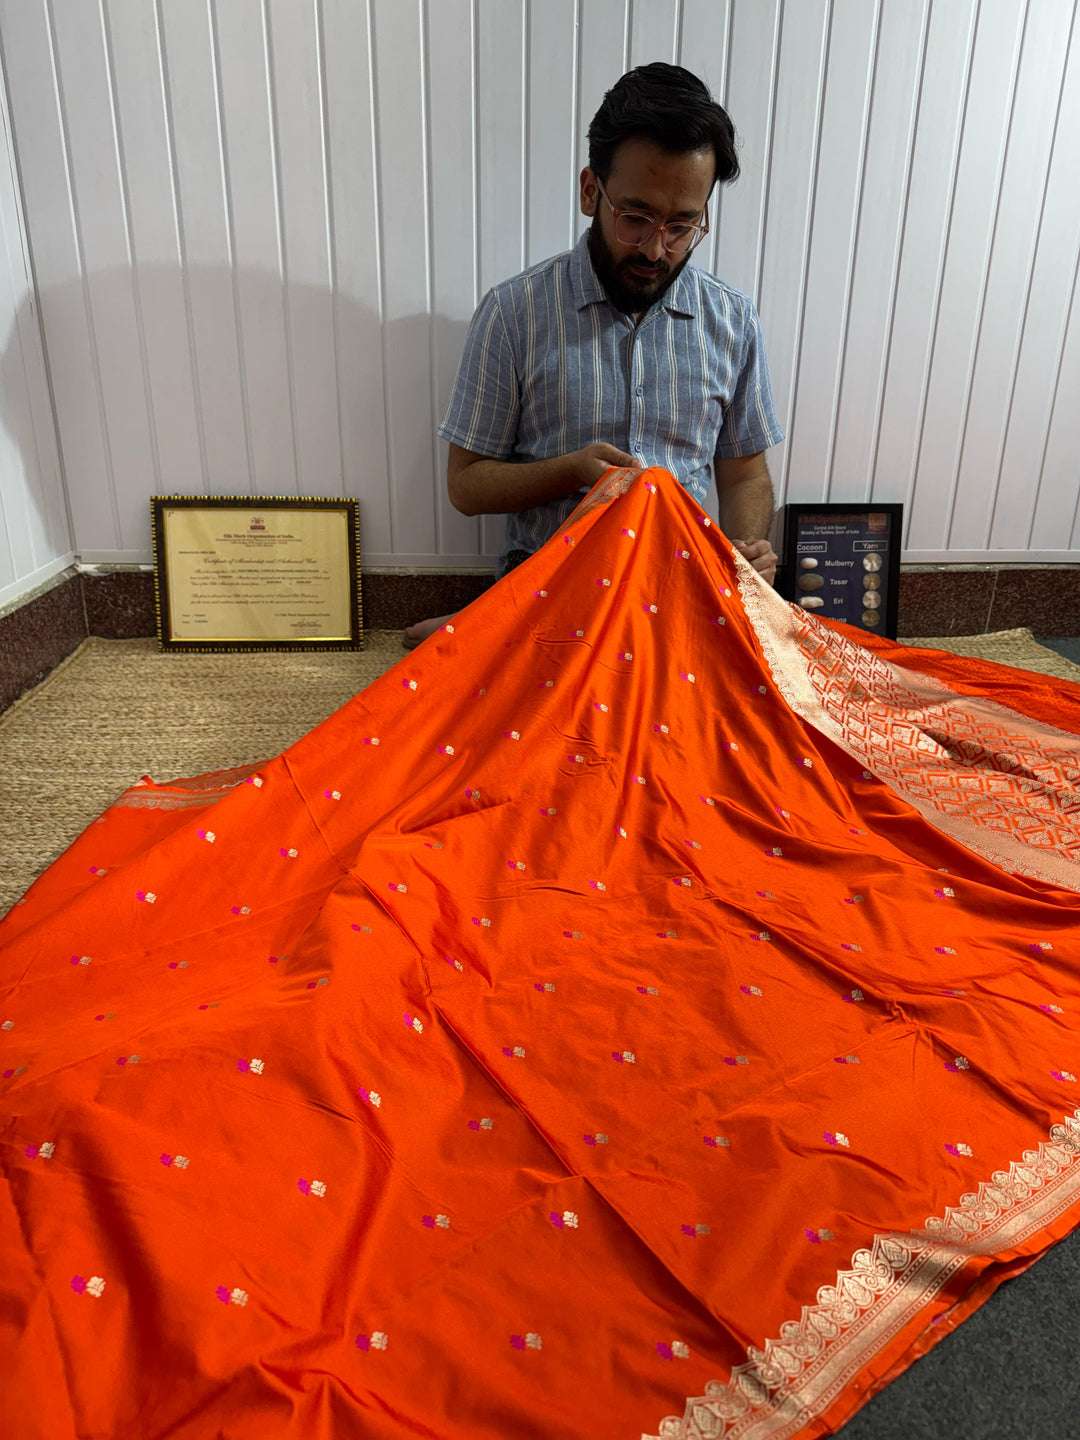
(551,366)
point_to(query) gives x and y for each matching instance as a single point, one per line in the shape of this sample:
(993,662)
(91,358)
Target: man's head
(657,145)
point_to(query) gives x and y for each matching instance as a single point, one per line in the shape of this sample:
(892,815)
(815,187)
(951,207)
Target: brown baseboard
(119,605)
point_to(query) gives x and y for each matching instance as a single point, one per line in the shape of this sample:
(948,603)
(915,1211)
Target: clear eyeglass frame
(642,227)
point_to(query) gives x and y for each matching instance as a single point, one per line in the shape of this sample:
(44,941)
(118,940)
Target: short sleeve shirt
(551,366)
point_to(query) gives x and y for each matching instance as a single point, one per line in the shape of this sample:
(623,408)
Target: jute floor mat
(117,710)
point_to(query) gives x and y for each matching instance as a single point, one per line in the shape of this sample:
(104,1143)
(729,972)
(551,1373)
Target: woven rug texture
(116,710)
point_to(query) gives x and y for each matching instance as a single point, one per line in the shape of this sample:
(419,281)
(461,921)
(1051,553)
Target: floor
(1070,648)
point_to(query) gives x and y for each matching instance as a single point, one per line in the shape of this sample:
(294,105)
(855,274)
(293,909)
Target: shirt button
(640,390)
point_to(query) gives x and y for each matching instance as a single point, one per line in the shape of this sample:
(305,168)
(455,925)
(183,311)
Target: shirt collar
(681,299)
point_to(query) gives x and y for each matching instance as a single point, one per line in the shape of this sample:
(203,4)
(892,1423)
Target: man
(616,353)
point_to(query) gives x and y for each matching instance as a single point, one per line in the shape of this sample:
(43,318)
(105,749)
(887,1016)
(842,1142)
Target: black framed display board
(247,572)
(842,562)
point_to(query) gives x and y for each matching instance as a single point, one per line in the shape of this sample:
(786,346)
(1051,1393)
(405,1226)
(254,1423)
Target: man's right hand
(591,462)
(481,486)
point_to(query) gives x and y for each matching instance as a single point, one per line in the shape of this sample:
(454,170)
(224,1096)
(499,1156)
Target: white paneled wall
(259,228)
(35,542)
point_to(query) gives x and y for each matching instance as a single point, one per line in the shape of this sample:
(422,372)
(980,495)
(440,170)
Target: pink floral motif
(647,990)
(1064,1075)
(372,1097)
(1052,1009)
(527,1342)
(484,1124)
(94,1286)
(958,1150)
(846,1059)
(1040,946)
(854,997)
(597,1139)
(694,1231)
(958,1064)
(736,1060)
(836,1139)
(545,987)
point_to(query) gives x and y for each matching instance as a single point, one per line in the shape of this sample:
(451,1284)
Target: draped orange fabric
(645,1010)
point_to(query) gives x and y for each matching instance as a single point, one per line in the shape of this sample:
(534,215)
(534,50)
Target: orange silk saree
(646,1010)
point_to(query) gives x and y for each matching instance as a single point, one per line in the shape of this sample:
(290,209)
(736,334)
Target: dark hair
(671,107)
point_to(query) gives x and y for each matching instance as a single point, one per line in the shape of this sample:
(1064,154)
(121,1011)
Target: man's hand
(761,555)
(478,485)
(589,464)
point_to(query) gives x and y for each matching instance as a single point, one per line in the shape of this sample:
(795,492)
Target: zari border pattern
(790,1381)
(1045,847)
(191,793)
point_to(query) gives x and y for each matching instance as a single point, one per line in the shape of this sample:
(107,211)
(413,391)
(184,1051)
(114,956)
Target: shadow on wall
(218,381)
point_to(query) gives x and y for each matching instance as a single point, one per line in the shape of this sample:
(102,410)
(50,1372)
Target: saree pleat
(645,1010)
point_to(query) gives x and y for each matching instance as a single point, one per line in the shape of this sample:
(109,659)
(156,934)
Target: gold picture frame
(256,572)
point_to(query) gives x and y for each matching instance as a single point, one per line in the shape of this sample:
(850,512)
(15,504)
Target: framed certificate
(842,562)
(240,572)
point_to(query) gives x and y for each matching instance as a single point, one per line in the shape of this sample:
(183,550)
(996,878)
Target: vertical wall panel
(402,151)
(886,176)
(1023,189)
(251,173)
(550,127)
(194,120)
(156,255)
(54,242)
(35,541)
(998,37)
(654,31)
(800,87)
(454,196)
(704,32)
(259,228)
(836,202)
(1045,374)
(351,107)
(297,113)
(603,22)
(105,243)
(734,249)
(918,290)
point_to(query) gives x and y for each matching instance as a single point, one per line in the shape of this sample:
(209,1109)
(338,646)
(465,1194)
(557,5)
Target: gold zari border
(789,1382)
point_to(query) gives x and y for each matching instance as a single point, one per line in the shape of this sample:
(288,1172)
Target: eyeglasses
(633,227)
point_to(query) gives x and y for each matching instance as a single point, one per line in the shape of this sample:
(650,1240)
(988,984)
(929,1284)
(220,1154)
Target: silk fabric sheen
(572,1036)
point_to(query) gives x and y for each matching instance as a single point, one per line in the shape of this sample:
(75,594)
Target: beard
(629,293)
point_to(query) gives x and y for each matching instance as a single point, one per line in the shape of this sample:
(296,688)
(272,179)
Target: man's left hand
(761,555)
